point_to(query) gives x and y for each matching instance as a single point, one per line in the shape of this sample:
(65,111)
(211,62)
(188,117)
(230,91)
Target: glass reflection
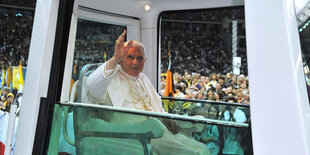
(107,130)
(226,111)
(94,44)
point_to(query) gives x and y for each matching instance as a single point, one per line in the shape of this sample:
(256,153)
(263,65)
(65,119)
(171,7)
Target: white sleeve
(98,81)
(108,73)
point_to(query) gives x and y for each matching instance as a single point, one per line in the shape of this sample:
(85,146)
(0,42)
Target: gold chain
(146,108)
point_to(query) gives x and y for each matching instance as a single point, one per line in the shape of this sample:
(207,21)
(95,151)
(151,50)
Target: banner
(15,82)
(3,78)
(236,65)
(20,77)
(16,78)
(169,86)
(9,78)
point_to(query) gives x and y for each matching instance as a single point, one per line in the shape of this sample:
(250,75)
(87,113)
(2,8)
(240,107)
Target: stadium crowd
(200,43)
(207,94)
(200,59)
(201,55)
(229,88)
(15,33)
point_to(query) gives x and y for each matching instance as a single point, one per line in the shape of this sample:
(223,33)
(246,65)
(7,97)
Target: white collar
(127,75)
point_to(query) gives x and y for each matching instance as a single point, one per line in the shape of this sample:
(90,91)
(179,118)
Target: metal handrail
(157,114)
(205,101)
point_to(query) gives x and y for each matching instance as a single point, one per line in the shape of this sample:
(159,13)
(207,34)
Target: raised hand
(120,51)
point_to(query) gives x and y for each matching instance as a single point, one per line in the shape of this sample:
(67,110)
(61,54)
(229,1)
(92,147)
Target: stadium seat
(95,133)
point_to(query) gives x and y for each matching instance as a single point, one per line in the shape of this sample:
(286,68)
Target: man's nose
(135,61)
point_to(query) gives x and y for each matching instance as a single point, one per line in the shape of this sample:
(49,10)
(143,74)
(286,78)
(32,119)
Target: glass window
(94,44)
(91,129)
(205,52)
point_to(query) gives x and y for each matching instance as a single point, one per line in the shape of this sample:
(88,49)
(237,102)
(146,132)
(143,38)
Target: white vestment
(112,87)
(117,88)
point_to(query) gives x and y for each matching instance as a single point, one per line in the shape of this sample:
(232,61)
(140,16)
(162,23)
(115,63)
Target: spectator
(8,102)
(211,134)
(179,92)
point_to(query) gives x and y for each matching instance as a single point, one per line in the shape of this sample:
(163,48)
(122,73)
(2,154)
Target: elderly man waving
(120,83)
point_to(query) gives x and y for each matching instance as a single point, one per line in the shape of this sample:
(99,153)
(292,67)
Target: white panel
(279,103)
(133,32)
(150,43)
(38,72)
(135,7)
(66,85)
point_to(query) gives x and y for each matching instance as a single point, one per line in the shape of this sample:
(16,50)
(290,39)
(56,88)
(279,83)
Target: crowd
(199,51)
(215,87)
(202,43)
(222,139)
(201,61)
(15,33)
(207,93)
(6,99)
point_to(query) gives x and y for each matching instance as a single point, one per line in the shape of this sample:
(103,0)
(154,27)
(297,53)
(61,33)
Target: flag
(24,72)
(169,84)
(15,76)
(74,69)
(20,77)
(105,56)
(74,77)
(1,78)
(3,83)
(9,78)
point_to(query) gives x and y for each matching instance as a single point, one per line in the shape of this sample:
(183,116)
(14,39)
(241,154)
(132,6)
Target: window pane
(94,43)
(233,112)
(106,130)
(206,50)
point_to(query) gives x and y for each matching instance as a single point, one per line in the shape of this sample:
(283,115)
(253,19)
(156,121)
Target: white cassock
(116,88)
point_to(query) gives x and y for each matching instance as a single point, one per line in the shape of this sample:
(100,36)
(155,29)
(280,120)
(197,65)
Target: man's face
(133,61)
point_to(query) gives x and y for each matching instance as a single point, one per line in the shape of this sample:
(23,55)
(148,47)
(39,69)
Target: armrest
(188,128)
(150,128)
